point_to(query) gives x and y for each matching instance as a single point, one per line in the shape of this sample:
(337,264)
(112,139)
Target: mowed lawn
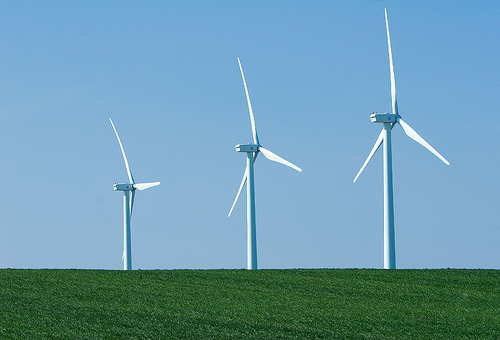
(241,304)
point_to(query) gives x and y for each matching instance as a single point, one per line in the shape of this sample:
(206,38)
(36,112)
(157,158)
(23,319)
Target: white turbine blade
(274,157)
(144,186)
(129,173)
(252,120)
(416,137)
(243,181)
(379,141)
(132,198)
(393,78)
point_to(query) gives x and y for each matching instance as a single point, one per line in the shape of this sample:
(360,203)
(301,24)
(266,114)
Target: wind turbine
(128,204)
(252,150)
(389,120)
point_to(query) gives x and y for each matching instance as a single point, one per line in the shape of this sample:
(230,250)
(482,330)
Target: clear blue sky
(166,73)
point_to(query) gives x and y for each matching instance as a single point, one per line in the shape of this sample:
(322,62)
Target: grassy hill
(266,304)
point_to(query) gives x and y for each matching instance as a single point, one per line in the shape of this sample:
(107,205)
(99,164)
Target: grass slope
(267,304)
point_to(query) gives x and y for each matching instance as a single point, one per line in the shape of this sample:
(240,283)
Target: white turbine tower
(252,150)
(128,204)
(389,120)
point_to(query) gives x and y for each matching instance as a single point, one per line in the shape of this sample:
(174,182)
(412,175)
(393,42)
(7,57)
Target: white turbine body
(252,150)
(389,120)
(128,204)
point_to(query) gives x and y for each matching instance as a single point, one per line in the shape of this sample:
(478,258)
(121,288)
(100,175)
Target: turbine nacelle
(133,186)
(384,117)
(123,187)
(247,147)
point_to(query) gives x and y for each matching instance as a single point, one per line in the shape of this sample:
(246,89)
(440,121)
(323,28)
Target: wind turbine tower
(252,150)
(388,121)
(128,204)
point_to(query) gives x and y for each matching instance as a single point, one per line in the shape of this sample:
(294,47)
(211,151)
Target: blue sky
(166,73)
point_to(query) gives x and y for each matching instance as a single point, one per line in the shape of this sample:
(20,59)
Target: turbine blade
(416,137)
(252,119)
(243,181)
(144,186)
(255,154)
(274,157)
(129,173)
(132,198)
(393,78)
(379,141)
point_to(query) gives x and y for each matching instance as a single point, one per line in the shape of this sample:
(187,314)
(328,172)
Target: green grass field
(265,304)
